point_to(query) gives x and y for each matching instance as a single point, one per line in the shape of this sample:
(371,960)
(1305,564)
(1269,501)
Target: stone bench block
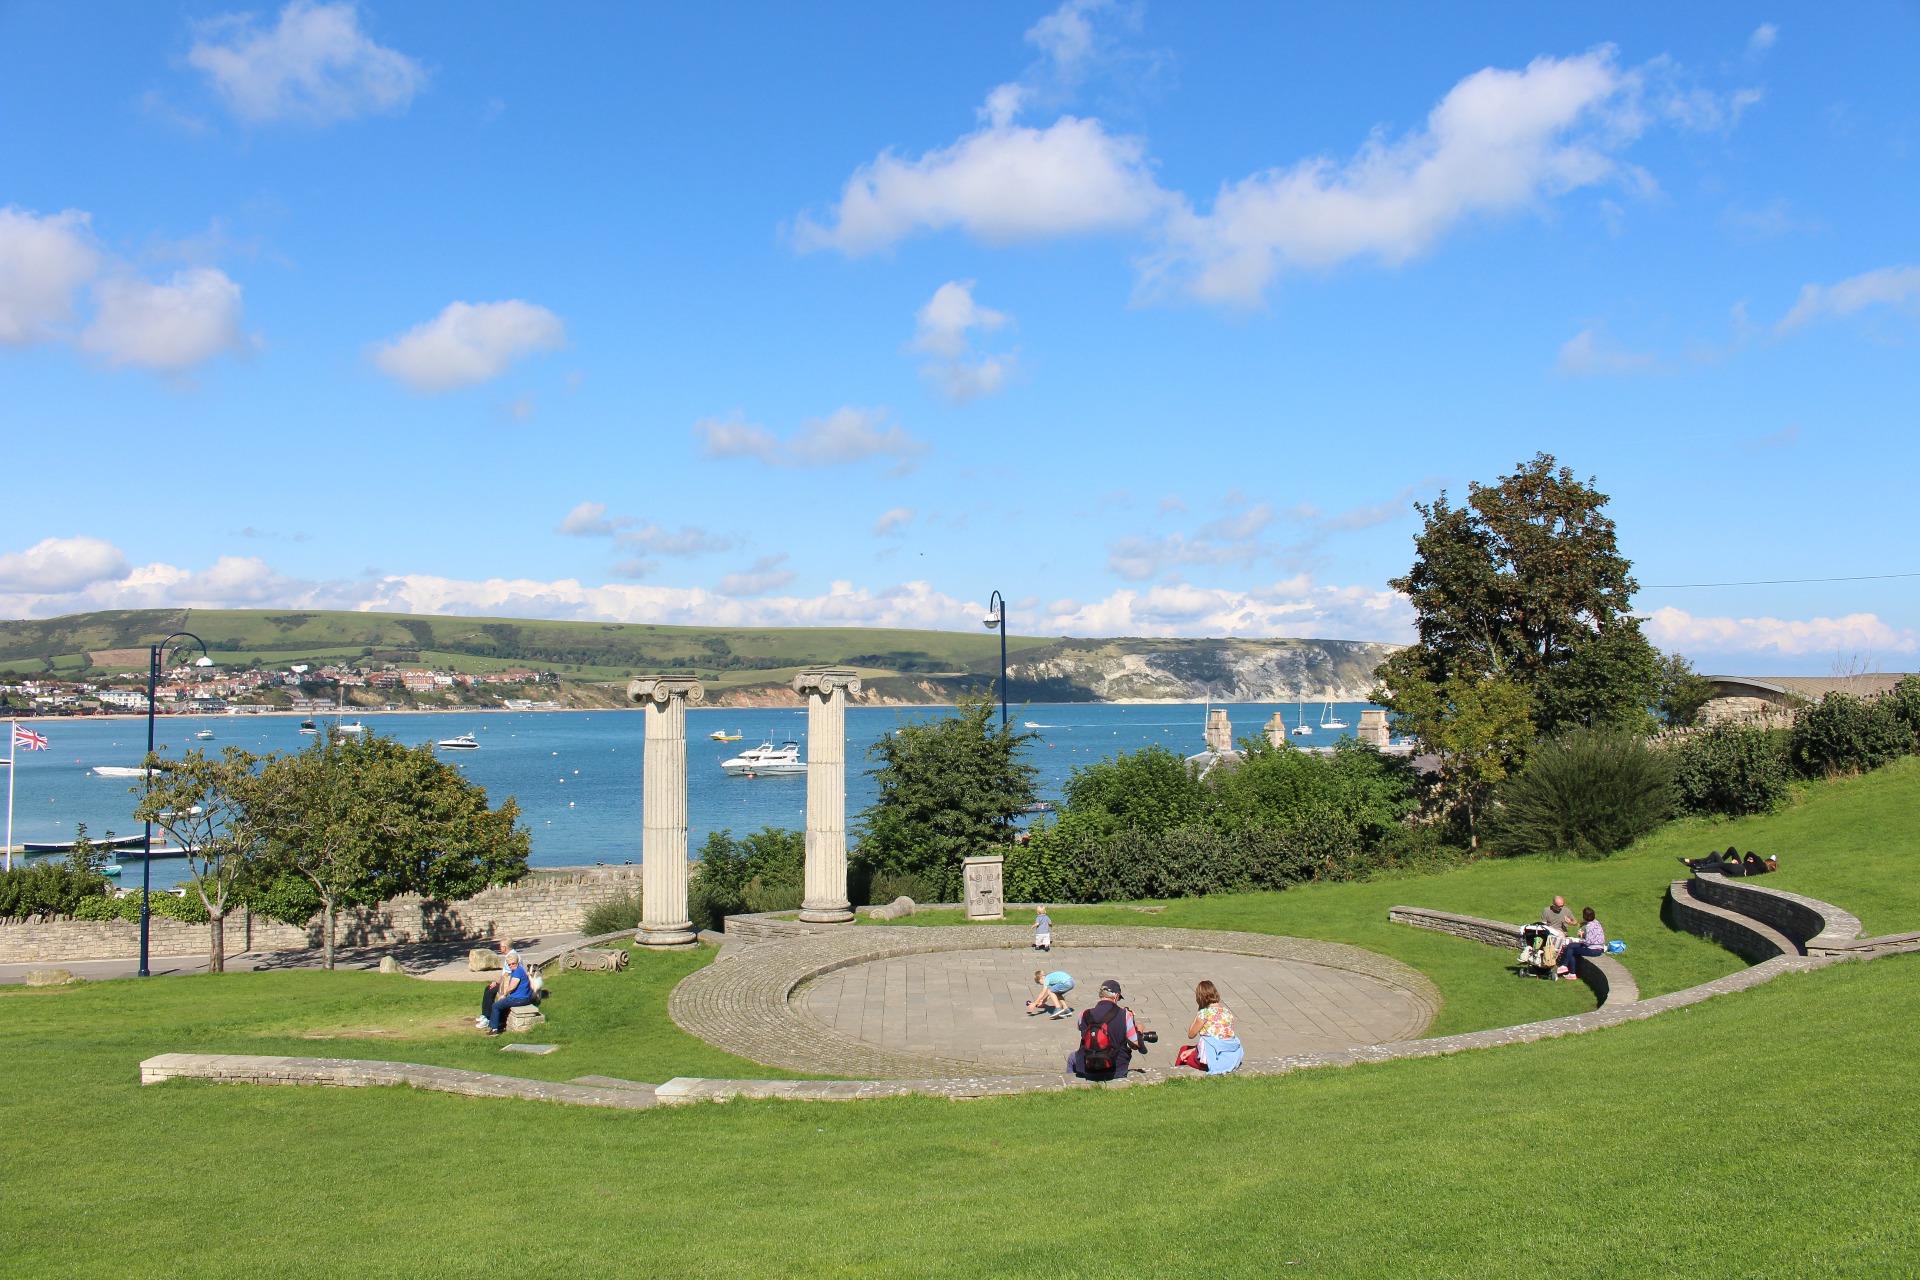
(524,1018)
(49,977)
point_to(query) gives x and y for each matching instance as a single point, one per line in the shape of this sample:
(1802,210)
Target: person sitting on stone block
(1591,942)
(516,991)
(1053,994)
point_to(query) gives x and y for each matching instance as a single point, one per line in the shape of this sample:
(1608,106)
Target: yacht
(205,735)
(465,742)
(1326,710)
(308,727)
(766,759)
(1302,729)
(352,727)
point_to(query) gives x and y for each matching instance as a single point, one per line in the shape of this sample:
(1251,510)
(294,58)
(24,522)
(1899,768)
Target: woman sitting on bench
(1591,942)
(515,991)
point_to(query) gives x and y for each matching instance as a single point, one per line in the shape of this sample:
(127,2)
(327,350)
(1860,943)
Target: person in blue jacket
(516,990)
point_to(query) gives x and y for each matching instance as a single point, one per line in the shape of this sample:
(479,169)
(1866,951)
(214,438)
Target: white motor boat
(119,771)
(465,742)
(309,728)
(351,727)
(766,759)
(205,735)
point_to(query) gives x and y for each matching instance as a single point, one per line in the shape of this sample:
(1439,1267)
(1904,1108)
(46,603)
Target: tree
(209,807)
(949,788)
(355,821)
(1526,582)
(1479,728)
(1683,691)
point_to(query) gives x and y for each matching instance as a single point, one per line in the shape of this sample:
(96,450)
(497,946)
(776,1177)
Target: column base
(839,913)
(670,936)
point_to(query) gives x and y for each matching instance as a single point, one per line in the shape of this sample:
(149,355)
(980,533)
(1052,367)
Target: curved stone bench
(1815,927)
(1610,981)
(1750,939)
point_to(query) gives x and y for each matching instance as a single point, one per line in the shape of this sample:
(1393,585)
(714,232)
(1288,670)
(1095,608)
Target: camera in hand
(1147,1038)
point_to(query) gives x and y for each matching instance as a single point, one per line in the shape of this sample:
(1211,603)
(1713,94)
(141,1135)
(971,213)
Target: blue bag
(1616,946)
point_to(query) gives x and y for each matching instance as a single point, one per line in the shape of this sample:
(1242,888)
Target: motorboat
(309,728)
(766,759)
(1302,729)
(121,771)
(32,847)
(1335,722)
(205,735)
(351,728)
(465,742)
(721,735)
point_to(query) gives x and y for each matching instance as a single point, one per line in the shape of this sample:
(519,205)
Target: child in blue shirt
(1052,999)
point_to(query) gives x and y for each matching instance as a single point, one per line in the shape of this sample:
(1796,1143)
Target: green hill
(741,664)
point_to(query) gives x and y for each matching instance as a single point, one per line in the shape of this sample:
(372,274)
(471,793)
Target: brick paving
(913,1003)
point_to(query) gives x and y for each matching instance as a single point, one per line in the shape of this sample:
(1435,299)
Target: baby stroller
(1540,950)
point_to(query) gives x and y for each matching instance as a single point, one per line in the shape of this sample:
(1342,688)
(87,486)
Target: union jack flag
(26,739)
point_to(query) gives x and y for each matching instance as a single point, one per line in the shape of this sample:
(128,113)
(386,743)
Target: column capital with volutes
(824,680)
(663,689)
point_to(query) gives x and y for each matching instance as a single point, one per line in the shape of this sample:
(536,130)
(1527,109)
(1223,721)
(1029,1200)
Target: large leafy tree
(949,788)
(355,821)
(1525,587)
(208,806)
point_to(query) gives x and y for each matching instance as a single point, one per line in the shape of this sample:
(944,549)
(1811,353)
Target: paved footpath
(971,1004)
(438,961)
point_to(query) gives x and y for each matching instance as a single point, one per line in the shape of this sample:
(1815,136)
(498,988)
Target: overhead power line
(1774,582)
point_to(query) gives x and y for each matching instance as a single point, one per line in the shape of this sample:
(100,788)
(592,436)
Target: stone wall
(1495,933)
(540,905)
(1748,938)
(1806,921)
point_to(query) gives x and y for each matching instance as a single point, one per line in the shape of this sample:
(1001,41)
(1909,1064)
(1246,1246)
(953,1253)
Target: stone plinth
(1276,730)
(984,897)
(826,690)
(1373,728)
(663,826)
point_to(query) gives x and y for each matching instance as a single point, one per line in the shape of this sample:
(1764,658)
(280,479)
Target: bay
(576,774)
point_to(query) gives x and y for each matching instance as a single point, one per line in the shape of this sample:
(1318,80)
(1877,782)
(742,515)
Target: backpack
(1100,1041)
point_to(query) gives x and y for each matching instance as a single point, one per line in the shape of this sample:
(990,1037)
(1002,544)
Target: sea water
(576,774)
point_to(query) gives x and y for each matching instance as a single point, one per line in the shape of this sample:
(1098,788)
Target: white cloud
(590,520)
(1295,606)
(1762,38)
(167,327)
(1001,183)
(1672,628)
(848,434)
(1499,142)
(944,328)
(55,565)
(893,521)
(315,64)
(44,260)
(1589,353)
(468,343)
(1886,287)
(765,575)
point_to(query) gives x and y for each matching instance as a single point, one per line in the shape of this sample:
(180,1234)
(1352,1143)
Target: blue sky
(1155,317)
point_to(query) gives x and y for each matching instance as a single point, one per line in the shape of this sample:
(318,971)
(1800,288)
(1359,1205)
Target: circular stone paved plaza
(917,1003)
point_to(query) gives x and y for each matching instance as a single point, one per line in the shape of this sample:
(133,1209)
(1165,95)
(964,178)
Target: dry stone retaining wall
(540,905)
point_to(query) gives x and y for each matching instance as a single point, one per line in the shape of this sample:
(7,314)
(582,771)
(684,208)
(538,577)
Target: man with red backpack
(1108,1038)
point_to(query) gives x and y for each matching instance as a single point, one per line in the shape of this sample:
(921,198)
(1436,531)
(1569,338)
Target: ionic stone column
(826,690)
(663,799)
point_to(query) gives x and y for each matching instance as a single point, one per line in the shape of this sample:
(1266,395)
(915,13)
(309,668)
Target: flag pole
(13,727)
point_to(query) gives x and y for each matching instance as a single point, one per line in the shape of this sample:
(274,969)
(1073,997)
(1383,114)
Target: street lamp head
(991,621)
(203,662)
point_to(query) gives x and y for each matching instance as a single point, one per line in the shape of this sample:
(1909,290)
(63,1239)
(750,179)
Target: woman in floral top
(1212,1030)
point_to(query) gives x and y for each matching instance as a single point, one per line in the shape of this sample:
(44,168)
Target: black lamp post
(146,868)
(997,617)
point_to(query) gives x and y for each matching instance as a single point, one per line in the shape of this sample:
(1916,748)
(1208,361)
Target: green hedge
(1732,770)
(47,889)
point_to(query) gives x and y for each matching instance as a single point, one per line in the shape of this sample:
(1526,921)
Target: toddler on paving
(1043,931)
(1053,994)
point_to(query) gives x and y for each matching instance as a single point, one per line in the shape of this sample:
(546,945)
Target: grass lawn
(1764,1134)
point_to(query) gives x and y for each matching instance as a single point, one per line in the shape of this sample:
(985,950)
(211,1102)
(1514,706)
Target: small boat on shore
(767,759)
(465,742)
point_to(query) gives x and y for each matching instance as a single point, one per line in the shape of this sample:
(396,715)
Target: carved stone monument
(985,898)
(1277,729)
(663,803)
(826,690)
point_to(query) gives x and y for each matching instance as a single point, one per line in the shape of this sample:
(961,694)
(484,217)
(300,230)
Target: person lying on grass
(1731,863)
(1053,994)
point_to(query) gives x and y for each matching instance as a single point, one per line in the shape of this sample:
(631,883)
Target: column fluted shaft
(663,800)
(826,689)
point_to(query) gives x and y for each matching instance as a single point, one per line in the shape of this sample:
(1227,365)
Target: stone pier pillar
(663,798)
(826,690)
(1277,729)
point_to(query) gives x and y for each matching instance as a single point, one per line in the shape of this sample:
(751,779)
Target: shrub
(47,889)
(1904,702)
(765,871)
(1844,734)
(1730,769)
(1148,790)
(886,888)
(613,915)
(187,910)
(1586,793)
(1356,789)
